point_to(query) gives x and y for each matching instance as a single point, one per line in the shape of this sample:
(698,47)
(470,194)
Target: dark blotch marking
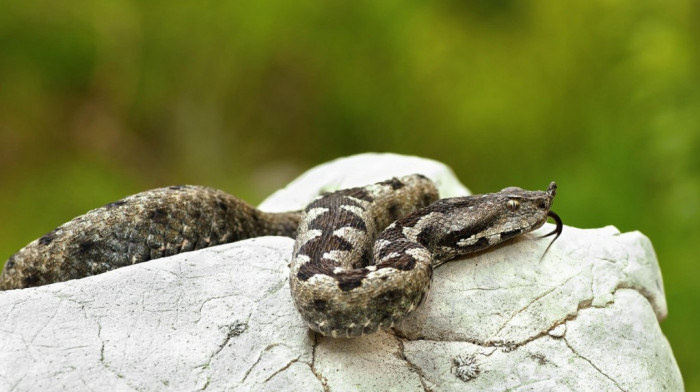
(306,271)
(480,244)
(398,247)
(159,215)
(319,203)
(357,193)
(392,234)
(394,211)
(510,234)
(320,305)
(332,200)
(403,262)
(115,204)
(427,199)
(395,183)
(10,262)
(349,282)
(322,244)
(452,238)
(412,219)
(347,218)
(366,259)
(30,280)
(391,296)
(48,238)
(448,205)
(221,205)
(427,237)
(86,247)
(177,187)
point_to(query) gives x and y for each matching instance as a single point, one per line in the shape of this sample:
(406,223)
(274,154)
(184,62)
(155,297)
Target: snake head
(465,225)
(544,203)
(527,211)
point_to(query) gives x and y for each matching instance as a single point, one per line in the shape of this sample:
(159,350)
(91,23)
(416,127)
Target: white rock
(583,318)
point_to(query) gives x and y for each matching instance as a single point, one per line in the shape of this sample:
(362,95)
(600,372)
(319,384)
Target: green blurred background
(103,99)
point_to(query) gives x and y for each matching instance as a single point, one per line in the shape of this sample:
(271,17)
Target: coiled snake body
(363,257)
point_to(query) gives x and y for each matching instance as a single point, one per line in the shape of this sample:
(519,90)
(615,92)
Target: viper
(363,257)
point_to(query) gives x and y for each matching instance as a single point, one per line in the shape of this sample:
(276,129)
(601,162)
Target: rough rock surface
(583,318)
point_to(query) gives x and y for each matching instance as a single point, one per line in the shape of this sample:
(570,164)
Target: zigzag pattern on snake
(363,257)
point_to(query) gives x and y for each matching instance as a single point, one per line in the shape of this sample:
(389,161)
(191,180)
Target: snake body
(363,257)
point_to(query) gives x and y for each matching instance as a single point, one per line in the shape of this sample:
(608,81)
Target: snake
(363,257)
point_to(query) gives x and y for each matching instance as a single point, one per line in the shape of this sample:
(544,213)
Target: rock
(583,317)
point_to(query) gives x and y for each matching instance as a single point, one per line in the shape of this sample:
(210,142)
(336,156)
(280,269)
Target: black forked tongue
(557,230)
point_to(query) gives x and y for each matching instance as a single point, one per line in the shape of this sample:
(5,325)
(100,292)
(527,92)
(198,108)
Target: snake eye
(513,204)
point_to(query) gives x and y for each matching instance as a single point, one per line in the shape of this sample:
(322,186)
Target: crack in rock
(593,365)
(103,362)
(411,366)
(260,357)
(233,330)
(285,367)
(312,365)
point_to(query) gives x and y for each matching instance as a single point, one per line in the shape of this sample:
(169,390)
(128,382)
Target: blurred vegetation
(102,99)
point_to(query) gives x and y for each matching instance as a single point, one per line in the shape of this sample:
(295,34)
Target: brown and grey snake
(363,257)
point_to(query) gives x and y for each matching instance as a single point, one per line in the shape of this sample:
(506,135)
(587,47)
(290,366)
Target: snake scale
(363,257)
